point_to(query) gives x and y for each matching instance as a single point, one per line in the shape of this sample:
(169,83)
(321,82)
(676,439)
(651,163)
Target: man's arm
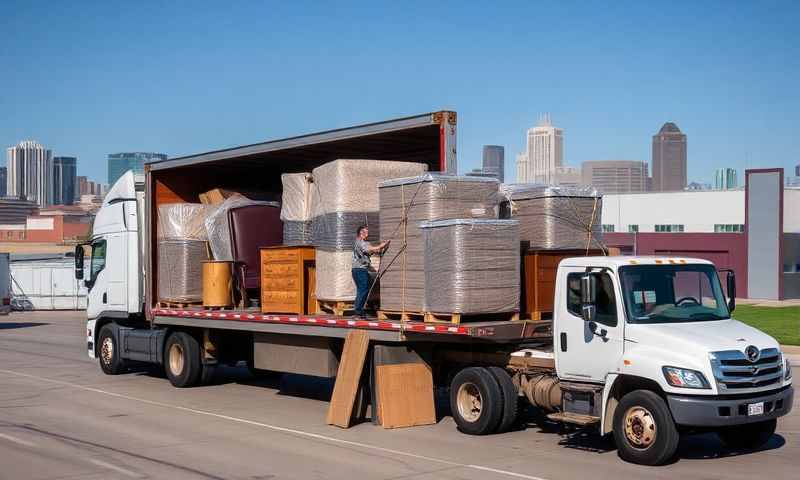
(379,247)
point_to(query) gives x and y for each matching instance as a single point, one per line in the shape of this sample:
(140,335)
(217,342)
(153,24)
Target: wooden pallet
(334,307)
(178,304)
(434,317)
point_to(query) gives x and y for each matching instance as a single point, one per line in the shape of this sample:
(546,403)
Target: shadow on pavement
(12,325)
(699,447)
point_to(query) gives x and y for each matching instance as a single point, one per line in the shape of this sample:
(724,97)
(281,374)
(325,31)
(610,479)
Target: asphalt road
(60,417)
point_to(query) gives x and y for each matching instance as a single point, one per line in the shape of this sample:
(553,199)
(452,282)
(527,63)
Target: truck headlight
(685,378)
(787,368)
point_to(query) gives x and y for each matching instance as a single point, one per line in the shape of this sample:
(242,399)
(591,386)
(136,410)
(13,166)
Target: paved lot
(60,417)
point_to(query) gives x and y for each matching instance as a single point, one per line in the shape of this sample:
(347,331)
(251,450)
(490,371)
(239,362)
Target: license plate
(755,409)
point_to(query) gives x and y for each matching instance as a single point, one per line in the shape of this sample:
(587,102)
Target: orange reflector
(671,261)
(659,262)
(632,262)
(626,362)
(683,261)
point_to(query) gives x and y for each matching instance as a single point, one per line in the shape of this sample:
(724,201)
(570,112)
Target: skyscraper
(725,179)
(3,180)
(65,179)
(30,172)
(545,152)
(119,163)
(523,168)
(616,176)
(669,159)
(494,161)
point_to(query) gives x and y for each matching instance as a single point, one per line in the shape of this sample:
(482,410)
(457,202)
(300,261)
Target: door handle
(563,341)
(105,297)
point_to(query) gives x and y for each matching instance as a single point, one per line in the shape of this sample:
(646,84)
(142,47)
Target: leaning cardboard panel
(554,217)
(404,203)
(474,265)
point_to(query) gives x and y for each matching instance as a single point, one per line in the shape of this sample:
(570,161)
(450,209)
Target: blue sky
(91,78)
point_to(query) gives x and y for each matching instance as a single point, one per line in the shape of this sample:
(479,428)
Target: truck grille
(735,373)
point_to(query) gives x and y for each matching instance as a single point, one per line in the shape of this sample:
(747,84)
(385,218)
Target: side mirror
(79,262)
(588,297)
(731,286)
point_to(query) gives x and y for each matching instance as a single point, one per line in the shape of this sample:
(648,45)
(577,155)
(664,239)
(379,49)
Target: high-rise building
(494,161)
(119,163)
(669,159)
(616,176)
(567,176)
(3,180)
(523,168)
(725,179)
(83,186)
(544,153)
(30,172)
(65,179)
(797,170)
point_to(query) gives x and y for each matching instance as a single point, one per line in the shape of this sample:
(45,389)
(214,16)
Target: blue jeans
(361,279)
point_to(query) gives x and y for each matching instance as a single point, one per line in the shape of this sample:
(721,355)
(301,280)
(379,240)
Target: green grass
(783,323)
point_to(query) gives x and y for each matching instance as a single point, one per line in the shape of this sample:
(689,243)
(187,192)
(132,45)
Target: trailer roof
(388,137)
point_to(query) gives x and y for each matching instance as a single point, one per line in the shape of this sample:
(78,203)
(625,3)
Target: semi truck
(641,348)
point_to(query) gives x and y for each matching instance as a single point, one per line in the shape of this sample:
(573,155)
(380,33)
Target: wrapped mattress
(474,265)
(554,217)
(298,189)
(180,270)
(183,220)
(334,276)
(404,203)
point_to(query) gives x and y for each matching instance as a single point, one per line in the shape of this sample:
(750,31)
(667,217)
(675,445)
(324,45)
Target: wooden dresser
(288,276)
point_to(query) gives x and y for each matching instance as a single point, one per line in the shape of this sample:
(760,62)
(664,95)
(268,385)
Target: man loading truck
(362,250)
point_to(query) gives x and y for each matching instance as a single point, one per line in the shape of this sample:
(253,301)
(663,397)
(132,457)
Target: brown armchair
(253,227)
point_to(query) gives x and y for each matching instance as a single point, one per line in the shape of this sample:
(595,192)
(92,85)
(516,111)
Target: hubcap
(107,350)
(176,359)
(469,402)
(640,427)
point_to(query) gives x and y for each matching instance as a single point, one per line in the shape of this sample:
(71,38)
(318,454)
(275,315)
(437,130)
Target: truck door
(107,282)
(583,354)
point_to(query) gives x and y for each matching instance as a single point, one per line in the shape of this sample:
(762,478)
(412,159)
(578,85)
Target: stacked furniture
(296,200)
(474,265)
(346,196)
(556,222)
(404,204)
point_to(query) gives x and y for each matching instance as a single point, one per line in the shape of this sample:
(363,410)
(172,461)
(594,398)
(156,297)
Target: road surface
(60,417)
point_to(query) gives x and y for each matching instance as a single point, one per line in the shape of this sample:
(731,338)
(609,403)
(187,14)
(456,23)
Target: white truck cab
(663,325)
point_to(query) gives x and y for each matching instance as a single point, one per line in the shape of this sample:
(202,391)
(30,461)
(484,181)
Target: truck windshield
(672,293)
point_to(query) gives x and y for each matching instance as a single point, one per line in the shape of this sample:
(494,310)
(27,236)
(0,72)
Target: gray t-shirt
(361,254)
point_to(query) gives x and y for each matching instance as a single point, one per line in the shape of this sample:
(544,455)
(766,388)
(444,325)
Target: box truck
(642,348)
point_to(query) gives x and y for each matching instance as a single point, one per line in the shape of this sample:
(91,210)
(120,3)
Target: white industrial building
(713,211)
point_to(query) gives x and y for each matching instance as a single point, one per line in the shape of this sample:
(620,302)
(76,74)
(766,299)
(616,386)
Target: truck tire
(510,398)
(750,435)
(644,430)
(476,401)
(182,360)
(108,351)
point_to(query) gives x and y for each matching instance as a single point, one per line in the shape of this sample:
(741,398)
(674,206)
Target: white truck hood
(708,335)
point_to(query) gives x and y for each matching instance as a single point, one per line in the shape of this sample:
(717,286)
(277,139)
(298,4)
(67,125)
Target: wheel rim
(107,350)
(469,402)
(176,359)
(640,428)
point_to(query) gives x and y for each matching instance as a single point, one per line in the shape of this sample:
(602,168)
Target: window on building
(633,228)
(669,228)
(728,228)
(608,228)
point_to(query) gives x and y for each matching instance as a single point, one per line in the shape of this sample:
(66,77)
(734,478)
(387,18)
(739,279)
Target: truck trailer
(642,348)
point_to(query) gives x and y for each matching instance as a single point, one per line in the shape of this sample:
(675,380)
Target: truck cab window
(98,259)
(606,302)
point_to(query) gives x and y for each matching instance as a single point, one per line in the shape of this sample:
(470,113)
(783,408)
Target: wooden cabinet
(287,280)
(538,278)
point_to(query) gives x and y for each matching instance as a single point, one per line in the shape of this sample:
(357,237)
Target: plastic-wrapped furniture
(253,227)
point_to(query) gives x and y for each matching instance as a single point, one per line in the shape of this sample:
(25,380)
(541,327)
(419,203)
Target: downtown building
(65,180)
(616,176)
(30,173)
(725,179)
(544,154)
(669,159)
(119,163)
(493,159)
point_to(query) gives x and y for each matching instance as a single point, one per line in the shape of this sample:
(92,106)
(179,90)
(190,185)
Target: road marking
(17,440)
(111,466)
(276,428)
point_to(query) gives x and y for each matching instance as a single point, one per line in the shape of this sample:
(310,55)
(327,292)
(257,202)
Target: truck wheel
(510,398)
(108,351)
(644,430)
(750,435)
(182,360)
(476,401)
